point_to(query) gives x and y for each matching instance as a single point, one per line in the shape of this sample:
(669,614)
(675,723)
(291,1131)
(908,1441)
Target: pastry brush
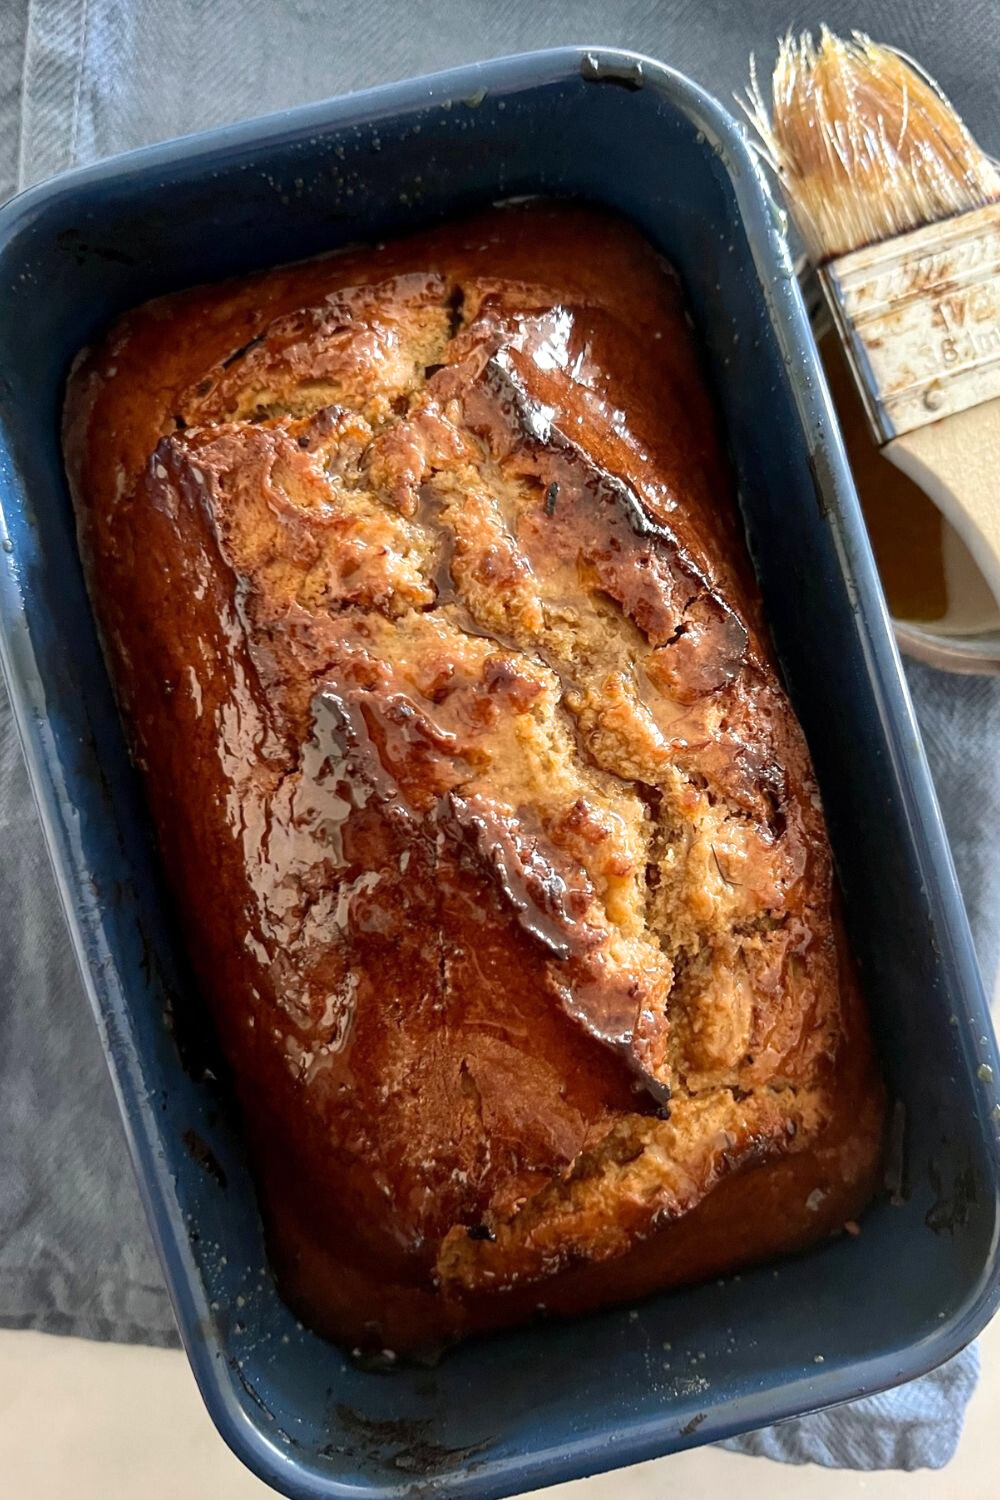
(900,212)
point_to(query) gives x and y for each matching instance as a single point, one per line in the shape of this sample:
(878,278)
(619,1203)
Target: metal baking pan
(548,1403)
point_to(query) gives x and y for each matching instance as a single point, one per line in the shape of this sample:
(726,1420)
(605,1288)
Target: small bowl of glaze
(922,559)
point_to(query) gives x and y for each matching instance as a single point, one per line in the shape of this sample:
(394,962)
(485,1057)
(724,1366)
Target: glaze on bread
(493,836)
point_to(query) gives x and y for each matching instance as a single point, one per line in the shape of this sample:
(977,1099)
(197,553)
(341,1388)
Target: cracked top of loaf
(492,833)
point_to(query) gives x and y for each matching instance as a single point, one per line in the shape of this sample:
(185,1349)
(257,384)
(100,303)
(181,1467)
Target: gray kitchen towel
(916,1426)
(81,79)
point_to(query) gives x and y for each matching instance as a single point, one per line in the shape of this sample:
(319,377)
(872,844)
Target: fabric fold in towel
(915,1426)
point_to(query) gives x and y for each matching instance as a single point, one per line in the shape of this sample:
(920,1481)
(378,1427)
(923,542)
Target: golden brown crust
(421,583)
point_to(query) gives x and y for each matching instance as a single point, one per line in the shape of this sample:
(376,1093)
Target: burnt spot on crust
(242,351)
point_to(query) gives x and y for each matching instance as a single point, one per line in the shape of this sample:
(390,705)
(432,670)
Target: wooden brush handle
(956,462)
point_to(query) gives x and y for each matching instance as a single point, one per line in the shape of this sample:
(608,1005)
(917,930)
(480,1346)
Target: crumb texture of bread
(494,839)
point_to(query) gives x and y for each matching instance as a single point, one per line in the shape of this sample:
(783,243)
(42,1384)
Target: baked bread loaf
(493,837)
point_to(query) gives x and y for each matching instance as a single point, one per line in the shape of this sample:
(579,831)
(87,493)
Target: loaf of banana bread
(493,837)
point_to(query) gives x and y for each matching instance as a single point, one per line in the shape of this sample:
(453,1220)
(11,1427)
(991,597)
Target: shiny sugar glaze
(494,838)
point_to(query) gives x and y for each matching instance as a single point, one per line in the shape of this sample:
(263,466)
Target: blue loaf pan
(556,1401)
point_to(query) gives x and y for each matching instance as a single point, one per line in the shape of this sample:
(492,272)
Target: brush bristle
(865,147)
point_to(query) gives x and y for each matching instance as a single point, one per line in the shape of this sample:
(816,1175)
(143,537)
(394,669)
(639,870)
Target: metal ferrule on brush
(919,317)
